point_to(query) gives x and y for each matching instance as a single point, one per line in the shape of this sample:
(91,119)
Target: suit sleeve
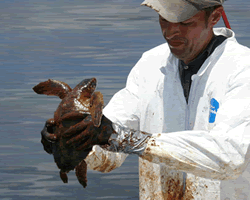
(221,153)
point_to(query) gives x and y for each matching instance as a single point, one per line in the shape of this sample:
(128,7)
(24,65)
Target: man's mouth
(175,43)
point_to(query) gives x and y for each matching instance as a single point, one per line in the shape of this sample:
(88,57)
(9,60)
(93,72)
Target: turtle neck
(186,71)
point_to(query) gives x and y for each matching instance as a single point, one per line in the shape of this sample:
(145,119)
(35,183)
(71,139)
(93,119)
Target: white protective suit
(199,150)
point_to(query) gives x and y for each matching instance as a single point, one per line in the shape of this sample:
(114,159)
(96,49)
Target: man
(185,110)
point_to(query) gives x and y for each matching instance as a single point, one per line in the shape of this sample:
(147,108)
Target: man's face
(187,39)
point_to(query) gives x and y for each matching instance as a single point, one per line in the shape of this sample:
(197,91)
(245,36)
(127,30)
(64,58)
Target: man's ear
(215,17)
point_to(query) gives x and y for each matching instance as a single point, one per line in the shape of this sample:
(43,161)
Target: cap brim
(172,10)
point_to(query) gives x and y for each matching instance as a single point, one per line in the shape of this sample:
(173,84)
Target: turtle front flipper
(53,87)
(85,88)
(81,173)
(96,107)
(63,176)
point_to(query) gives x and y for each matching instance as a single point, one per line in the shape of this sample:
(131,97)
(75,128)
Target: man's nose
(172,30)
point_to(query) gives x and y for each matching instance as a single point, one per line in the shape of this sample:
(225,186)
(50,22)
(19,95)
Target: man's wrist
(127,140)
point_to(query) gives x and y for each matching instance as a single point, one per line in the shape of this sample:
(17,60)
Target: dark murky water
(70,40)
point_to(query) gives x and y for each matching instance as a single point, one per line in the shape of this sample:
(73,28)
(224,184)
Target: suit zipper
(190,100)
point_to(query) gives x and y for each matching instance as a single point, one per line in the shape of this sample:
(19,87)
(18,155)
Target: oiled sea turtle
(76,104)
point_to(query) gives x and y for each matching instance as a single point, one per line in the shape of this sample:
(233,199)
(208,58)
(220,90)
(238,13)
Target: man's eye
(186,24)
(163,19)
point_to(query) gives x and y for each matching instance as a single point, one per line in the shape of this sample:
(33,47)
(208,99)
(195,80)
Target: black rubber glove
(85,135)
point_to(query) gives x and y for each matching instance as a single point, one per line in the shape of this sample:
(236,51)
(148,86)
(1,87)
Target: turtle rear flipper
(53,87)
(96,107)
(81,173)
(64,176)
